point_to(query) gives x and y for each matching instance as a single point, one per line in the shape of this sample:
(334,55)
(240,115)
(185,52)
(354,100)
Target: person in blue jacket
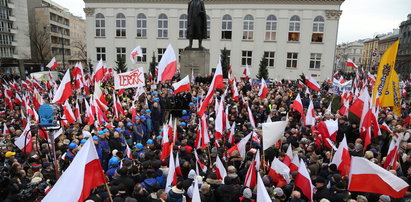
(140,149)
(128,133)
(186,116)
(114,164)
(102,141)
(139,131)
(149,122)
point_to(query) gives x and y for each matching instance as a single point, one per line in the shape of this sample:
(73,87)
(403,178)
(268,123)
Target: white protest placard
(130,79)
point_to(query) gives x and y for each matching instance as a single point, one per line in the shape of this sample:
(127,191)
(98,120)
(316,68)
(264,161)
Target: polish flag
(52,64)
(240,146)
(250,116)
(64,91)
(300,84)
(303,181)
(310,116)
(178,168)
(89,113)
(78,76)
(344,109)
(295,163)
(288,156)
(279,173)
(262,194)
(77,112)
(392,154)
(220,169)
(218,83)
(350,63)
(6,130)
(71,118)
(24,141)
(342,158)
(202,166)
(263,89)
(385,127)
(336,74)
(167,66)
(251,176)
(18,99)
(219,120)
(37,99)
(136,52)
(272,132)
(328,129)
(297,104)
(357,106)
(129,154)
(196,192)
(231,134)
(100,71)
(182,85)
(83,174)
(235,91)
(166,147)
(99,95)
(312,84)
(378,180)
(246,71)
(36,84)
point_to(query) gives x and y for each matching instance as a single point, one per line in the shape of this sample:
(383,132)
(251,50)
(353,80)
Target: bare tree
(40,43)
(81,46)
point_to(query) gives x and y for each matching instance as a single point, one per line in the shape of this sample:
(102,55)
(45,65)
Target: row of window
(246,57)
(6,39)
(59,19)
(6,51)
(226,27)
(58,29)
(4,3)
(57,40)
(5,13)
(59,51)
(5,26)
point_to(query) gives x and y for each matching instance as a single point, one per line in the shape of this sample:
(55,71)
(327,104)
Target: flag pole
(108,191)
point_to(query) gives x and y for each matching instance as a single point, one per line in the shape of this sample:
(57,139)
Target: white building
(296,36)
(352,50)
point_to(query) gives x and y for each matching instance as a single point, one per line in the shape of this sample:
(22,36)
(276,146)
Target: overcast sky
(360,19)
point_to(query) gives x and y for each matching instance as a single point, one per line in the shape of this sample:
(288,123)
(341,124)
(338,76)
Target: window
(101,53)
(144,58)
(121,54)
(269,57)
(6,39)
(6,51)
(120,25)
(182,26)
(270,28)
(208,26)
(292,59)
(227,25)
(318,29)
(248,27)
(294,29)
(141,26)
(246,58)
(100,25)
(315,60)
(162,26)
(160,52)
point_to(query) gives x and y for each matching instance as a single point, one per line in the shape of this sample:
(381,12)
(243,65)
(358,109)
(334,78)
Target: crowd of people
(141,176)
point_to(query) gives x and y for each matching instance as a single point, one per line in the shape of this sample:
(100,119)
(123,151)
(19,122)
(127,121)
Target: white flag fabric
(262,194)
(272,132)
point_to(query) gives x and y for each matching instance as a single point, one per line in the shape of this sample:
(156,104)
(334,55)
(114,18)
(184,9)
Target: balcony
(14,43)
(12,18)
(10,4)
(13,30)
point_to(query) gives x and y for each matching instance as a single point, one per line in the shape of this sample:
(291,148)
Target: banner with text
(130,79)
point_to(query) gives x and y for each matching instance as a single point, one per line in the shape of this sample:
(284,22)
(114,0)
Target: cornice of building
(323,2)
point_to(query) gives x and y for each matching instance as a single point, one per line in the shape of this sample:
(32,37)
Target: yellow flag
(386,90)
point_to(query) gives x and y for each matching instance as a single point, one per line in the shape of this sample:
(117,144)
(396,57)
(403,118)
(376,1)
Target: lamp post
(90,66)
(62,46)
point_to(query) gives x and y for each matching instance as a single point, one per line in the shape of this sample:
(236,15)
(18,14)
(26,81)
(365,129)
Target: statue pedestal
(197,60)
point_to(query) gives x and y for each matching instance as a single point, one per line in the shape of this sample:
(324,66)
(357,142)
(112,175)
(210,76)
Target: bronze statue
(196,22)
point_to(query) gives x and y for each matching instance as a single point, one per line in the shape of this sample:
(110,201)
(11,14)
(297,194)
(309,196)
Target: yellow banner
(387,90)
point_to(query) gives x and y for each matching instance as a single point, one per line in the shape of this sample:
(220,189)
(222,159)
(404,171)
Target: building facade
(56,33)
(404,50)
(14,40)
(295,36)
(352,50)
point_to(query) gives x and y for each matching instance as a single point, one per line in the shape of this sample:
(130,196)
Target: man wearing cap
(105,148)
(139,130)
(149,122)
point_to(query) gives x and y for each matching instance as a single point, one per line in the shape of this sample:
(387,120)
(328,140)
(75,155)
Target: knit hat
(385,198)
(247,193)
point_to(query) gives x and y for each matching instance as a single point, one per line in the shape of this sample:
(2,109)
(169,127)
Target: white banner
(131,79)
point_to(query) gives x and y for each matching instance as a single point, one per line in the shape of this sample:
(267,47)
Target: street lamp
(62,45)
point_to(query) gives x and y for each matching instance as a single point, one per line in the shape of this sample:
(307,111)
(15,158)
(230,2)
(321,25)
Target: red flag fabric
(52,64)
(64,91)
(342,158)
(312,84)
(182,86)
(303,181)
(167,66)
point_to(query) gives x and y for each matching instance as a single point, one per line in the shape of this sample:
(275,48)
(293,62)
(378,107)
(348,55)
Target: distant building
(54,24)
(404,51)
(14,31)
(295,36)
(351,50)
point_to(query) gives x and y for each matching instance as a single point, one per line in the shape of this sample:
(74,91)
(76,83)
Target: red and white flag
(357,106)
(251,176)
(219,120)
(64,91)
(342,158)
(303,181)
(288,156)
(312,84)
(231,134)
(336,74)
(279,173)
(100,71)
(297,104)
(220,169)
(240,146)
(6,130)
(83,174)
(70,116)
(182,86)
(328,129)
(263,89)
(295,163)
(246,71)
(344,109)
(167,66)
(202,166)
(52,64)
(166,146)
(385,127)
(262,194)
(235,91)
(129,154)
(137,51)
(310,116)
(250,116)
(77,112)
(350,63)
(392,154)
(24,141)
(378,180)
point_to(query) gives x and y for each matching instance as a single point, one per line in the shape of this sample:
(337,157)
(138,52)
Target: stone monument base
(197,60)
